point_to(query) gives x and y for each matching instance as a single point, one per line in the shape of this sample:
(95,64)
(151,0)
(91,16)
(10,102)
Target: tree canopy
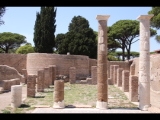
(10,40)
(25,49)
(79,40)
(155,20)
(44,29)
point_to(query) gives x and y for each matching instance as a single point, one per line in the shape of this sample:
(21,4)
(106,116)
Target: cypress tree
(46,41)
(37,33)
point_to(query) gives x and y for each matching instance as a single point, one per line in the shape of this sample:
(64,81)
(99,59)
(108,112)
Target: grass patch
(74,94)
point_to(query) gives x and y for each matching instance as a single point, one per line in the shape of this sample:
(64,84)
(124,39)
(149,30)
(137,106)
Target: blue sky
(21,20)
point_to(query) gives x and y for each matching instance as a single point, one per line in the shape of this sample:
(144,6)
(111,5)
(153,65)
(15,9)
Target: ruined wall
(7,72)
(18,61)
(154,78)
(36,61)
(154,67)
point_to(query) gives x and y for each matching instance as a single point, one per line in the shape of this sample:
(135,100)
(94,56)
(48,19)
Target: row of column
(44,78)
(126,80)
(144,62)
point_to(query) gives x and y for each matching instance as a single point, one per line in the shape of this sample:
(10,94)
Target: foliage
(2,11)
(25,49)
(79,40)
(155,20)
(44,29)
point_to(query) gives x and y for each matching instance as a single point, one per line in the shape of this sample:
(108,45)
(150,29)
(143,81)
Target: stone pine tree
(126,33)
(44,38)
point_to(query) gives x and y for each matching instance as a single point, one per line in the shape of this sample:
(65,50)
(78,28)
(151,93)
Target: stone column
(72,75)
(94,75)
(115,67)
(31,85)
(46,77)
(16,96)
(133,88)
(144,62)
(119,77)
(40,80)
(25,75)
(125,81)
(58,94)
(102,84)
(111,74)
(53,73)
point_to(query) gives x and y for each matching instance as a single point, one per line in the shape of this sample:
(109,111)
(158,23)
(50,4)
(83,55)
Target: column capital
(102,17)
(145,17)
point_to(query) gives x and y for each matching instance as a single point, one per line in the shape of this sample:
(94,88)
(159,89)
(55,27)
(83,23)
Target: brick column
(53,73)
(111,74)
(72,75)
(46,77)
(133,88)
(119,77)
(94,75)
(102,84)
(115,67)
(144,62)
(31,85)
(40,81)
(125,81)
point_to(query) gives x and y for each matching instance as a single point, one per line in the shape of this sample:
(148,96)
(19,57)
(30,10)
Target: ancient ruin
(138,77)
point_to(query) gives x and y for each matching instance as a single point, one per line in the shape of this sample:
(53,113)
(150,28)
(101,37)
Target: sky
(21,20)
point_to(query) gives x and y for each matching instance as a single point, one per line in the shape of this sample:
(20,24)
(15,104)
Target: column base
(144,108)
(101,105)
(59,105)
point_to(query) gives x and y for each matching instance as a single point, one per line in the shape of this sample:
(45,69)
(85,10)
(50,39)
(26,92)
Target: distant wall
(36,61)
(18,61)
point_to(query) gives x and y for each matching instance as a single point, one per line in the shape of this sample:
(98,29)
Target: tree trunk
(123,52)
(128,51)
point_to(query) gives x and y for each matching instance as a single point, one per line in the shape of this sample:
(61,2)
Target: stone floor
(86,110)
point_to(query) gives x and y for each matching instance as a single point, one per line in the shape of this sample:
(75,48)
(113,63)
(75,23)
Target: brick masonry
(133,88)
(125,81)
